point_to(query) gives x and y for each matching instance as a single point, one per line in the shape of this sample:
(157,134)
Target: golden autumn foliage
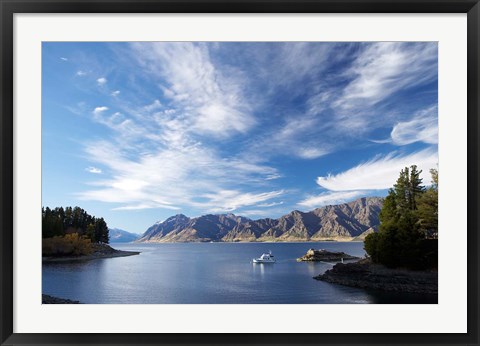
(67,245)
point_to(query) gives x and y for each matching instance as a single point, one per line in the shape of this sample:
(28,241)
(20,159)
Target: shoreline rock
(324,255)
(47,299)
(100,251)
(364,274)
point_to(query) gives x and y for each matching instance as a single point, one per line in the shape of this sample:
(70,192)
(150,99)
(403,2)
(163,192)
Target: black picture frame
(10,7)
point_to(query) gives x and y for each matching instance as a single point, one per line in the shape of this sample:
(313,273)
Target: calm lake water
(209,273)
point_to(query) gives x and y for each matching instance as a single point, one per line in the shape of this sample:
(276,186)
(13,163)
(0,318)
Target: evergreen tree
(389,212)
(58,226)
(101,231)
(401,191)
(47,223)
(68,222)
(90,233)
(408,188)
(416,188)
(407,210)
(59,221)
(434,174)
(427,212)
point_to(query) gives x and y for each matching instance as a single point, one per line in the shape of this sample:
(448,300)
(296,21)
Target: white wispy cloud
(230,200)
(330,198)
(188,176)
(80,108)
(262,213)
(423,127)
(124,127)
(176,151)
(211,100)
(101,81)
(273,176)
(147,206)
(93,170)
(293,62)
(99,110)
(343,107)
(379,173)
(155,105)
(296,136)
(80,73)
(384,68)
(311,153)
(269,205)
(379,73)
(64,59)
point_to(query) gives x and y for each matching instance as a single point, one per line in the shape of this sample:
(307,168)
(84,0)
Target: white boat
(265,258)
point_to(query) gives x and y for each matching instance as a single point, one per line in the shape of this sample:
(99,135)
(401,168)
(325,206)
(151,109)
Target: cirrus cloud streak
(329,198)
(379,173)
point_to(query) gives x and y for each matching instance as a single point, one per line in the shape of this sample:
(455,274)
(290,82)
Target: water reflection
(263,268)
(315,269)
(217,273)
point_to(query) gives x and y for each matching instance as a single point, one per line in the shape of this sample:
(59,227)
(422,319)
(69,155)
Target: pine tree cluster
(60,222)
(408,231)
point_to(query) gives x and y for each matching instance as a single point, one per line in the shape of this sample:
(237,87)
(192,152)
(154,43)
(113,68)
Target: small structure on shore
(324,255)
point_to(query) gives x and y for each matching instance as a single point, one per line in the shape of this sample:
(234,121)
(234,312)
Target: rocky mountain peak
(344,221)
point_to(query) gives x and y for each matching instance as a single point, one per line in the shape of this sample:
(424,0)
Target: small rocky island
(324,255)
(365,274)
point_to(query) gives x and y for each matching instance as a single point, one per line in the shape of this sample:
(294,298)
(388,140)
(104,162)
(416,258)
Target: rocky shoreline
(100,251)
(46,299)
(364,274)
(324,255)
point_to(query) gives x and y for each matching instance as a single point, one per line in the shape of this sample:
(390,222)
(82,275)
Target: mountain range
(117,235)
(348,221)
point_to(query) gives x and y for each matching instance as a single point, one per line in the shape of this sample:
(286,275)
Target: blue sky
(136,132)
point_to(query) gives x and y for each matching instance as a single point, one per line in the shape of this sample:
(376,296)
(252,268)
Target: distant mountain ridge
(117,235)
(347,221)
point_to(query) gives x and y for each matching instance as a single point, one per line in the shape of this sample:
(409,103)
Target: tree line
(59,222)
(408,230)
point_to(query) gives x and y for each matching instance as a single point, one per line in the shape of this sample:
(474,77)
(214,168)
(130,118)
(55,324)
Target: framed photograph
(239,172)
